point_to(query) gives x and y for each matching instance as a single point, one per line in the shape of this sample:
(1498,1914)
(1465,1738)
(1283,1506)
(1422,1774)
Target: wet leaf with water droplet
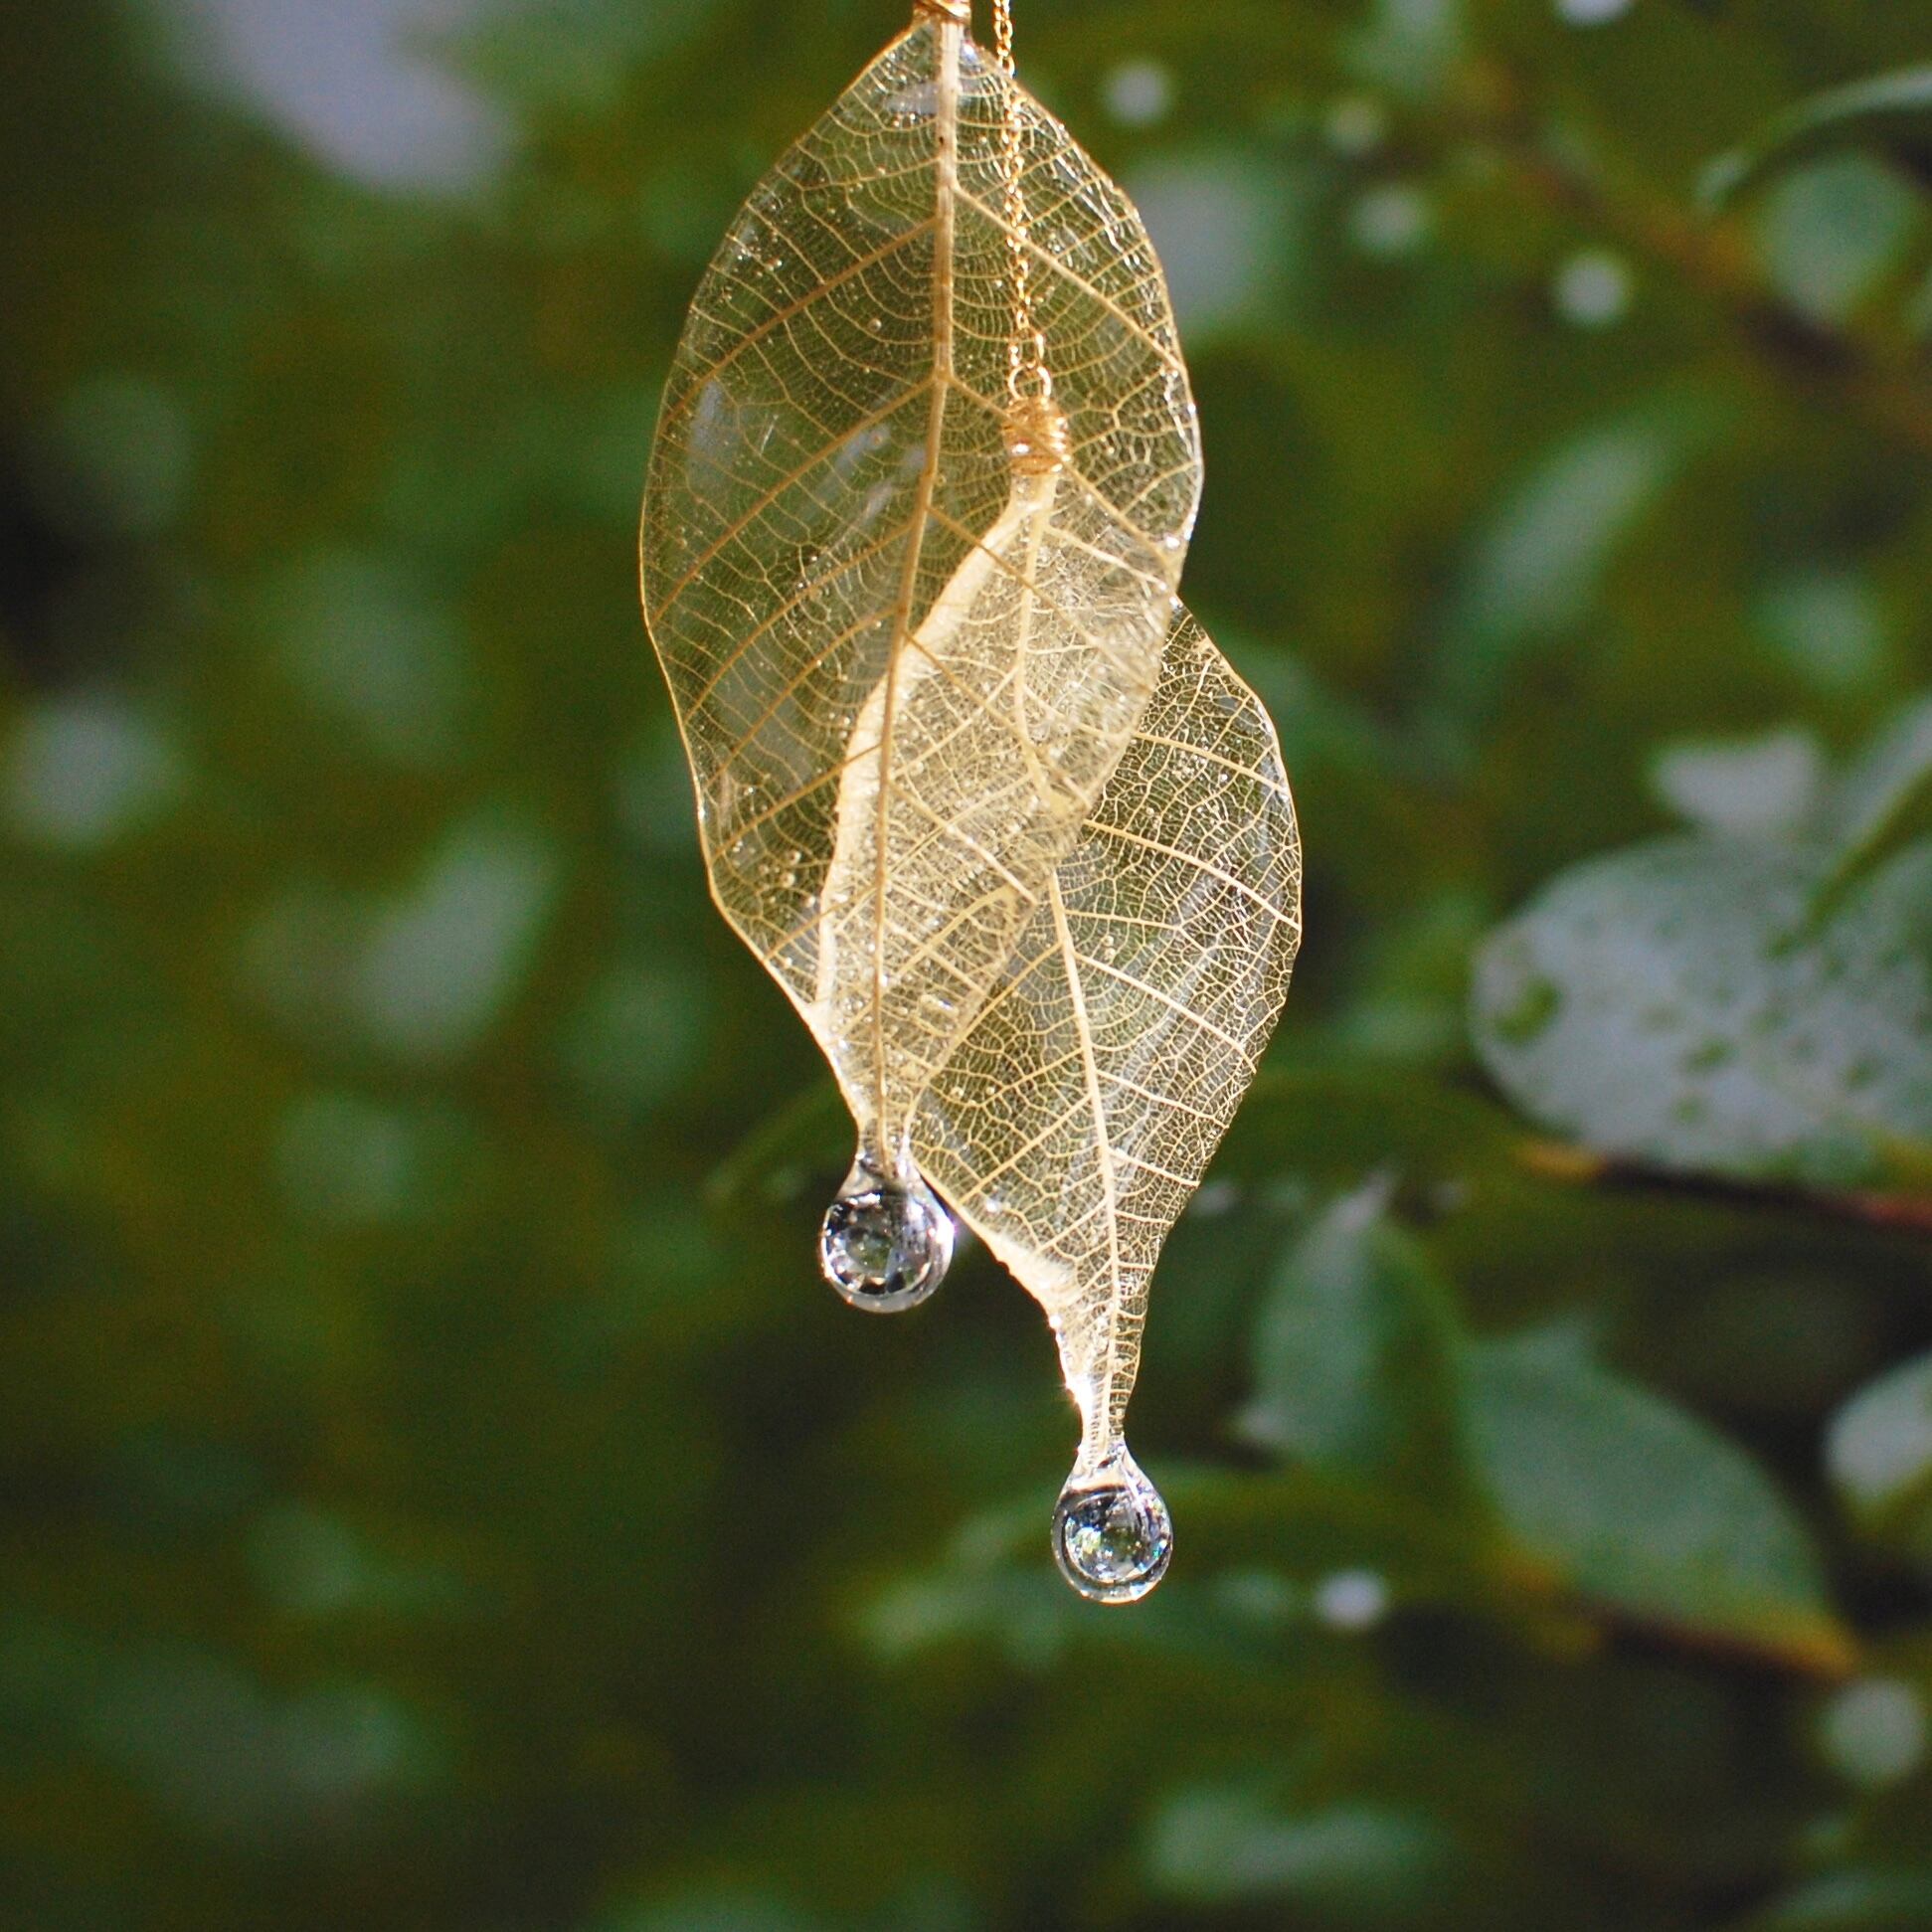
(1682,1003)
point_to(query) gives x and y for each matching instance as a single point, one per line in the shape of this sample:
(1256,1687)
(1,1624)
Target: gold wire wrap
(1039,440)
(958,12)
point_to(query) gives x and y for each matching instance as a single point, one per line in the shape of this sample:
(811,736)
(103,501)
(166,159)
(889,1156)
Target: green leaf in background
(1884,802)
(424,971)
(1537,569)
(780,1155)
(1677,1003)
(1835,232)
(1891,112)
(78,774)
(707,1910)
(1333,1124)
(1346,1863)
(1609,1492)
(1410,47)
(1357,1356)
(1766,786)
(1643,1508)
(1878,1452)
(1852,1901)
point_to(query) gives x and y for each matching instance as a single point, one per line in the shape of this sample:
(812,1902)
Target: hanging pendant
(1077,1118)
(924,480)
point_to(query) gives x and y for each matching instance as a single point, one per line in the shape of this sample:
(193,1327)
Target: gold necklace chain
(1028,379)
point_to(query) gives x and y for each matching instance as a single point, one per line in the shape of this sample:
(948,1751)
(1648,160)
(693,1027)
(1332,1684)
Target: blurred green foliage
(438,1494)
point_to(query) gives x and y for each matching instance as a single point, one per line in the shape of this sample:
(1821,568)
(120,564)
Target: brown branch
(1495,109)
(1875,370)
(1909,1215)
(1820,1649)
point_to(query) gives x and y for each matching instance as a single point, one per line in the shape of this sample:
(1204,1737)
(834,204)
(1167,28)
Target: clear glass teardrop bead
(1112,1534)
(885,1245)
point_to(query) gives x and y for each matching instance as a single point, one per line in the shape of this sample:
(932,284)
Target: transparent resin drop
(885,1245)
(1112,1534)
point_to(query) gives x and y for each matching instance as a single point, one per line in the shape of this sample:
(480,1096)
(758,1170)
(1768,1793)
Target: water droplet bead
(1112,1534)
(884,1246)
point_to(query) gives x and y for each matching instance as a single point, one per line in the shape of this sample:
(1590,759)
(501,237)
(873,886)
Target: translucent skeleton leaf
(992,809)
(909,626)
(1074,1122)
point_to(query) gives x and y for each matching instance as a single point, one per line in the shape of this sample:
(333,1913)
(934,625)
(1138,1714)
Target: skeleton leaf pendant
(983,799)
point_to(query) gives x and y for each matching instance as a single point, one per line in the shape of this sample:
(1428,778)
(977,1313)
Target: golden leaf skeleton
(982,797)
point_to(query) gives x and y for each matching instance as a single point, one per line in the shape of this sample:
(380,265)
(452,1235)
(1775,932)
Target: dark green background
(436,1491)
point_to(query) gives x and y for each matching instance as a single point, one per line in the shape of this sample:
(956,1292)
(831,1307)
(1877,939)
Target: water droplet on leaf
(885,1246)
(1112,1534)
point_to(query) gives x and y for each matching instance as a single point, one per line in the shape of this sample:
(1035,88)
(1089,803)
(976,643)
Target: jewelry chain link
(1027,374)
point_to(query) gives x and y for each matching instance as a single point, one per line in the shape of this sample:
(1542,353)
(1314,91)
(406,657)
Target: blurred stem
(1871,367)
(1580,1167)
(1823,1651)
(1906,816)
(1492,108)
